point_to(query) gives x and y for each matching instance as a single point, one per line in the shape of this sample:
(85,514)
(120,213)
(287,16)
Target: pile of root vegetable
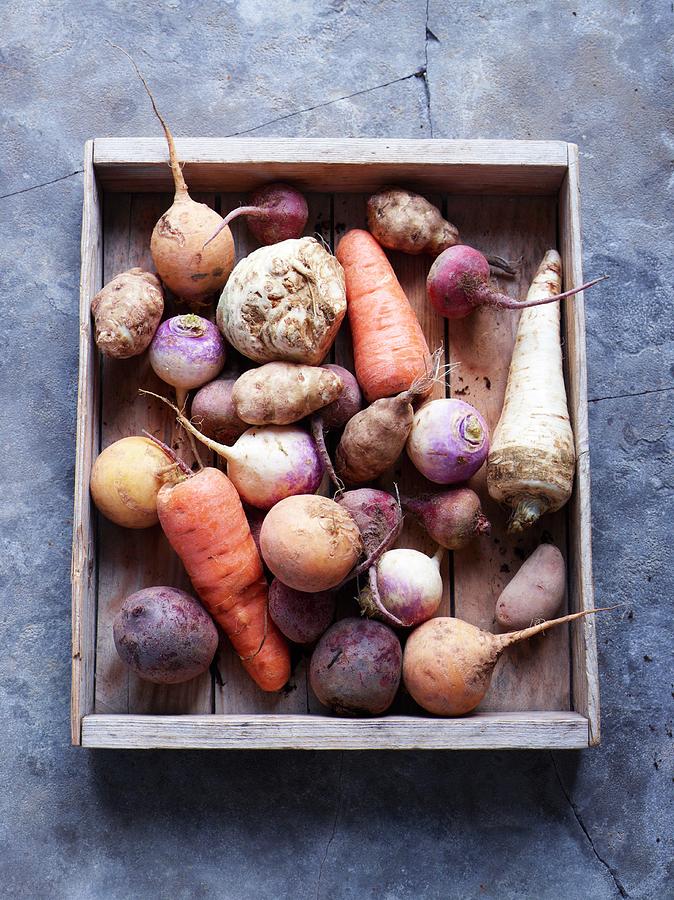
(297,521)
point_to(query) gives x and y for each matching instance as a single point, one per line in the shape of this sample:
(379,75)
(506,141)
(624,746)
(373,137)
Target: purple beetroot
(301,617)
(452,518)
(277,212)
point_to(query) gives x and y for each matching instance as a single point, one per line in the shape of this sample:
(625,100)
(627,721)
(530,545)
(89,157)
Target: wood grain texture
(534,675)
(231,164)
(581,587)
(83,565)
(133,559)
(482,731)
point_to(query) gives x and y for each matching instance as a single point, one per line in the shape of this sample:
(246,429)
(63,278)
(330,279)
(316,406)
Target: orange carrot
(390,350)
(205,524)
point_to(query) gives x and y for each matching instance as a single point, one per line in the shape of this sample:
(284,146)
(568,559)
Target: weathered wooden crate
(513,198)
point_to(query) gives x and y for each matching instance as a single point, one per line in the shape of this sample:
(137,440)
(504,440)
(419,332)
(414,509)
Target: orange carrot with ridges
(390,350)
(205,524)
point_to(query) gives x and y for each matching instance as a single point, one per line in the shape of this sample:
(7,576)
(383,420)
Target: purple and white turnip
(448,441)
(404,588)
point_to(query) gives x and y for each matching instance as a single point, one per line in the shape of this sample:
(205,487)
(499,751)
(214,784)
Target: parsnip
(532,458)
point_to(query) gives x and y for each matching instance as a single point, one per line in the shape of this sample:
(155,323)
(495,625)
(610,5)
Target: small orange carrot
(390,350)
(205,524)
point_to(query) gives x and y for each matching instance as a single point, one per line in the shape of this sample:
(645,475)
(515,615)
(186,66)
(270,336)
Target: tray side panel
(133,559)
(482,731)
(534,675)
(581,587)
(83,566)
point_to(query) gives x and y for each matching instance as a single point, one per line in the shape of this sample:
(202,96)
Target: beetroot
(213,411)
(277,212)
(458,282)
(452,518)
(301,617)
(336,415)
(356,667)
(165,635)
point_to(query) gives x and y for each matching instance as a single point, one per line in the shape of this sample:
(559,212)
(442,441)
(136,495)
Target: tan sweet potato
(403,220)
(280,393)
(536,592)
(127,312)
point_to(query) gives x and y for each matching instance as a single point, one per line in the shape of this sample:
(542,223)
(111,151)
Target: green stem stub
(471,430)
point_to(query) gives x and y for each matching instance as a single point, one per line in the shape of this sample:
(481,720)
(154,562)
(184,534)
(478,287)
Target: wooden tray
(512,198)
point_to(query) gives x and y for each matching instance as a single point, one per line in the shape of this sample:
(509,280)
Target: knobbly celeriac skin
(126,313)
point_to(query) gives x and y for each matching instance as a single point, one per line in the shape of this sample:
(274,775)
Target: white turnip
(448,441)
(405,587)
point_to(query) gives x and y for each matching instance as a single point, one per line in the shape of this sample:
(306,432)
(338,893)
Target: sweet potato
(127,312)
(536,592)
(280,393)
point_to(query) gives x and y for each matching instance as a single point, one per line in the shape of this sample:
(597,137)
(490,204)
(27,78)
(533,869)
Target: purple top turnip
(186,352)
(458,282)
(449,441)
(277,212)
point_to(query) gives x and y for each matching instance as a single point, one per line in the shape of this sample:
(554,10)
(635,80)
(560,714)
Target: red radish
(452,518)
(336,415)
(449,441)
(458,282)
(405,588)
(277,212)
(301,617)
(177,245)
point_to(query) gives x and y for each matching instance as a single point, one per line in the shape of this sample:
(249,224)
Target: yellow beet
(125,482)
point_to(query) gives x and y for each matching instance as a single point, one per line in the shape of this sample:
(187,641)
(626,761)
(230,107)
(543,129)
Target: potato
(310,543)
(125,481)
(536,592)
(280,393)
(127,312)
(403,220)
(356,666)
(165,635)
(213,411)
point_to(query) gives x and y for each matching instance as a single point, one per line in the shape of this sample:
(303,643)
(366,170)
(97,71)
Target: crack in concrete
(428,35)
(618,883)
(44,184)
(627,396)
(338,809)
(420,73)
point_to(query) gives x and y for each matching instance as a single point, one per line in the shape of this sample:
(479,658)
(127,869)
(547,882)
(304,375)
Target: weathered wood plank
(83,565)
(482,731)
(231,164)
(534,675)
(581,587)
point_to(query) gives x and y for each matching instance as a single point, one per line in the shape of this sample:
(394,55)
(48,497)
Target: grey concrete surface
(597,824)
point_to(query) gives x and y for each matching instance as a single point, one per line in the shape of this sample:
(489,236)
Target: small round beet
(301,617)
(356,667)
(213,412)
(165,635)
(349,402)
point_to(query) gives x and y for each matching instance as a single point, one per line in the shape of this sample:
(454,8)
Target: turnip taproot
(448,663)
(405,587)
(448,441)
(277,212)
(375,437)
(267,463)
(280,393)
(284,302)
(536,592)
(532,460)
(187,352)
(355,668)
(458,283)
(213,412)
(189,269)
(165,635)
(452,518)
(310,543)
(301,617)
(127,312)
(125,481)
